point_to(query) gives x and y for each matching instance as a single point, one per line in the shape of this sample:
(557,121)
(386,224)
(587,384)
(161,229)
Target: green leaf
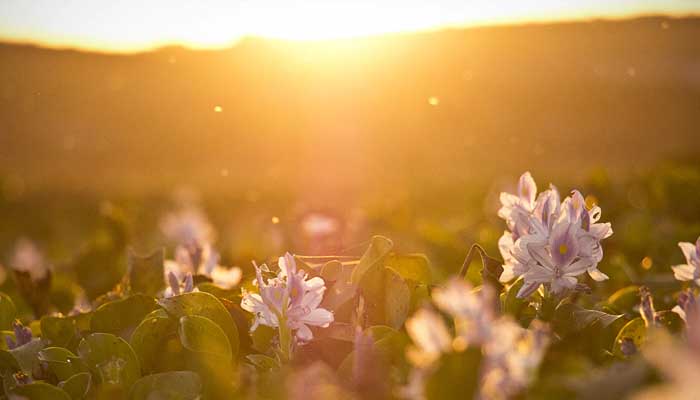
(634,332)
(570,317)
(204,305)
(262,338)
(397,299)
(456,377)
(262,362)
(121,317)
(332,271)
(151,338)
(145,273)
(625,299)
(40,391)
(77,386)
(202,335)
(373,258)
(8,311)
(8,363)
(415,267)
(65,332)
(174,385)
(341,289)
(26,355)
(209,287)
(510,303)
(62,362)
(111,360)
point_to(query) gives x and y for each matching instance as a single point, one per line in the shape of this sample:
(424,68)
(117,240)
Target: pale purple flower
(23,335)
(678,364)
(688,309)
(690,271)
(470,309)
(430,336)
(550,241)
(559,261)
(27,258)
(290,297)
(317,224)
(177,286)
(188,226)
(512,358)
(203,261)
(511,354)
(516,209)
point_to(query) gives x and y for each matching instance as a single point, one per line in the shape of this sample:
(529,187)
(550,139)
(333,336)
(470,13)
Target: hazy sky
(127,25)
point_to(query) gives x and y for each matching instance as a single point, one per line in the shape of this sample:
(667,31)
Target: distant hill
(354,113)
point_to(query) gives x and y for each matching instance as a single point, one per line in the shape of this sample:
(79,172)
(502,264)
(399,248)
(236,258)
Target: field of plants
(584,288)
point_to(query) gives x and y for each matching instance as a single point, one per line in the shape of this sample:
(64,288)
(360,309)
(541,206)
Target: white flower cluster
(690,271)
(289,299)
(28,259)
(550,241)
(511,353)
(194,253)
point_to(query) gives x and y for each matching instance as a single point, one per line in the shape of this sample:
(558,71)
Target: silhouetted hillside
(352,114)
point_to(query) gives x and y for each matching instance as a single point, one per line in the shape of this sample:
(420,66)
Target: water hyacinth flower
(513,357)
(28,259)
(550,241)
(430,335)
(178,286)
(511,353)
(188,226)
(677,363)
(690,271)
(23,335)
(688,309)
(194,253)
(203,261)
(289,301)
(473,317)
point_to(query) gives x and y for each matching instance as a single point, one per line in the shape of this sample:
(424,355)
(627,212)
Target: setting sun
(349,199)
(136,25)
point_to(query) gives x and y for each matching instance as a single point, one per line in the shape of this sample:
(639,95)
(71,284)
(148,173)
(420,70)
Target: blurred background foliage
(315,147)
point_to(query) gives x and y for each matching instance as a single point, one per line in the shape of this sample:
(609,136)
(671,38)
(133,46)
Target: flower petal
(683,272)
(527,190)
(304,333)
(539,253)
(428,331)
(596,275)
(689,251)
(528,289)
(318,317)
(226,278)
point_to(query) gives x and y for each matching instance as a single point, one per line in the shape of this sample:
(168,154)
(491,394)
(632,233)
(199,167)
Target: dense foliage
(554,315)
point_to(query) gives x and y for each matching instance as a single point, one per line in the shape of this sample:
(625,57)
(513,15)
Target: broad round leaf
(8,311)
(202,335)
(634,332)
(151,338)
(397,299)
(40,391)
(62,362)
(77,386)
(122,316)
(204,305)
(111,359)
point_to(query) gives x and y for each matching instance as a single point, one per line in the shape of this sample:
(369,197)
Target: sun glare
(131,25)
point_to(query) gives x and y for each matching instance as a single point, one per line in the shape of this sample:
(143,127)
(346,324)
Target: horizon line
(159,46)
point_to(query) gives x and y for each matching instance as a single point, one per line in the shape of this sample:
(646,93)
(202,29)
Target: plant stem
(285,341)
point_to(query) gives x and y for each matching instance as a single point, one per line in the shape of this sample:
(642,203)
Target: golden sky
(132,25)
